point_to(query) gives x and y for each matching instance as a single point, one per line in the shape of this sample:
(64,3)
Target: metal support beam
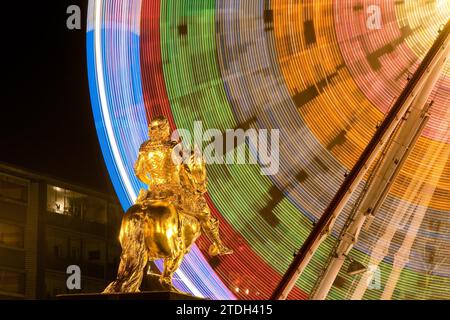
(436,56)
(384,177)
(422,191)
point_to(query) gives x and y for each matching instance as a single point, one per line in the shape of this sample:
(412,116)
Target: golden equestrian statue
(166,219)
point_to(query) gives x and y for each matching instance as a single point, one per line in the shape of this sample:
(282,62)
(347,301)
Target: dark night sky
(47,123)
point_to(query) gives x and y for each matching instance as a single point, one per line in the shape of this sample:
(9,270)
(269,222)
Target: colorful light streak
(305,69)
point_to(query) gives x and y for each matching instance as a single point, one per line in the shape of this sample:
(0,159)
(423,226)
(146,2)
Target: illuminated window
(12,282)
(64,201)
(11,235)
(70,203)
(13,189)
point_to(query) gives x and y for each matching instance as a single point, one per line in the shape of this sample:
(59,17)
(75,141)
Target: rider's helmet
(159,129)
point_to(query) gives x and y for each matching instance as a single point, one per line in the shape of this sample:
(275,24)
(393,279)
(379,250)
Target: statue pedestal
(150,295)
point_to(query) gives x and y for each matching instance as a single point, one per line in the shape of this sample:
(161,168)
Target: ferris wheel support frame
(393,161)
(417,85)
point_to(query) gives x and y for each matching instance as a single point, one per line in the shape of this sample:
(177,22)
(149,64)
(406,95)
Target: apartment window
(94,251)
(11,235)
(95,210)
(13,189)
(57,246)
(64,201)
(94,255)
(12,282)
(75,249)
(75,253)
(70,203)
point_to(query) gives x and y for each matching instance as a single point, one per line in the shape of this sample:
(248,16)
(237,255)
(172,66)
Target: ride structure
(389,148)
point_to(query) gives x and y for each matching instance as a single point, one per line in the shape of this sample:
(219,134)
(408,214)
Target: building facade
(46,226)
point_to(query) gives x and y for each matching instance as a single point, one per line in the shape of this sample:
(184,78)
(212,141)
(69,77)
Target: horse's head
(195,170)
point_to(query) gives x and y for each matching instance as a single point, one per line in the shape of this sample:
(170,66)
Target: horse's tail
(134,253)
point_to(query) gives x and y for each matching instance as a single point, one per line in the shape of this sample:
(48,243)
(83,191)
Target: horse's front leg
(170,266)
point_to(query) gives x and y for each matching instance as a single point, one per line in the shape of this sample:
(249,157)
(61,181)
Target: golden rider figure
(156,168)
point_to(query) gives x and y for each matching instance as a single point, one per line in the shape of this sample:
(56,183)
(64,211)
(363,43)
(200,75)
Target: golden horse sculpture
(168,218)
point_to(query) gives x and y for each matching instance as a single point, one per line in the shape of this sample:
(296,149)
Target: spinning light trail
(311,69)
